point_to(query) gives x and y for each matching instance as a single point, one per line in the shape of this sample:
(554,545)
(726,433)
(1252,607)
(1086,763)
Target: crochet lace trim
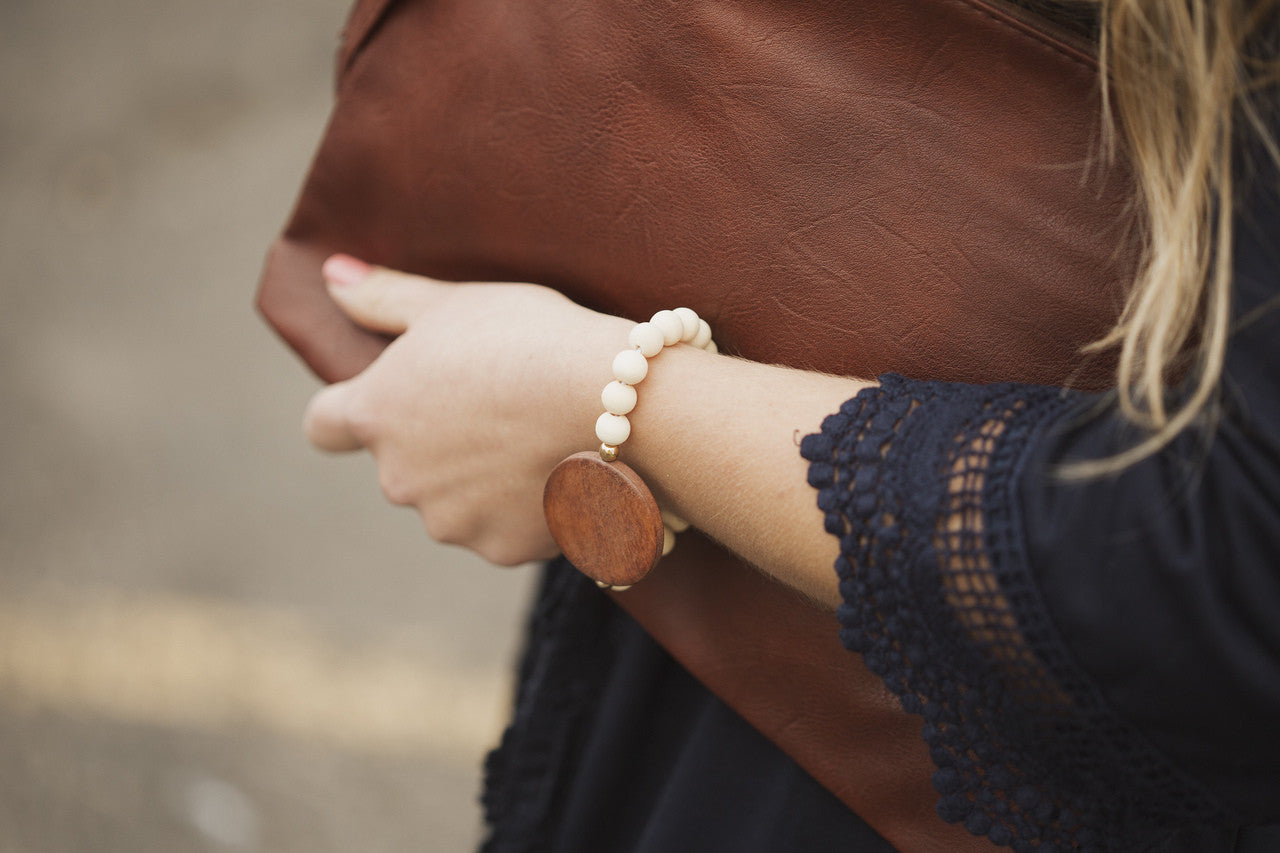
(918,481)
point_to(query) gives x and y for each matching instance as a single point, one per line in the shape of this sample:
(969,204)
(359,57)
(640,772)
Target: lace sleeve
(918,481)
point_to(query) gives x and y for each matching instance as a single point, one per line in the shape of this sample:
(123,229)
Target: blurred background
(211,637)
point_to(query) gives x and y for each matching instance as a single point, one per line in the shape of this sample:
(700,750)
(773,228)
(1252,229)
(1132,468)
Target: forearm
(716,440)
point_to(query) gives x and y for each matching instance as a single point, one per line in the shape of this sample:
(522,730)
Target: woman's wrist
(582,368)
(715,438)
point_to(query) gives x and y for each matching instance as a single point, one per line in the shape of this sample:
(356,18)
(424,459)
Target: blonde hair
(1177,79)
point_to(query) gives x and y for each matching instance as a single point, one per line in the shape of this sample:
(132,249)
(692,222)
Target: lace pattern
(918,481)
(568,650)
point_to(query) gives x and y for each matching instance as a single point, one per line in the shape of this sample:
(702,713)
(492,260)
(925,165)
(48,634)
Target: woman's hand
(486,388)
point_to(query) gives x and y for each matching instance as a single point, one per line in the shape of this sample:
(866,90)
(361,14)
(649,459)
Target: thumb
(377,298)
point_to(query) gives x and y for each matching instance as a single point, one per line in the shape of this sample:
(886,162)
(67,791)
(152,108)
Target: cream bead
(675,522)
(689,322)
(669,323)
(613,429)
(630,366)
(647,338)
(618,398)
(703,337)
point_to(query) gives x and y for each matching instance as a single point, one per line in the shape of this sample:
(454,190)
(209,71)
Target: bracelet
(600,512)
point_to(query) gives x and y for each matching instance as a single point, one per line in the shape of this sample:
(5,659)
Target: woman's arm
(489,386)
(716,439)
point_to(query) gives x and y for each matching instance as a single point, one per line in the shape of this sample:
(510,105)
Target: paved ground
(211,638)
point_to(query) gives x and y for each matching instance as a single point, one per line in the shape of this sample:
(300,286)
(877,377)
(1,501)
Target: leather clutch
(856,187)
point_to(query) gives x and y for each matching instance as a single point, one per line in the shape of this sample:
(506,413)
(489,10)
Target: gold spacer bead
(608,452)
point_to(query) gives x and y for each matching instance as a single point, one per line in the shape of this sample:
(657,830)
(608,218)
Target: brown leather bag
(855,187)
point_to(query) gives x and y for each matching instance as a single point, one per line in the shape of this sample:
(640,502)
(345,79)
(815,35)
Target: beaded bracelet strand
(602,515)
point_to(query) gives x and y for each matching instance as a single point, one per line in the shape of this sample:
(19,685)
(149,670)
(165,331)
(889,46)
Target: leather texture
(855,187)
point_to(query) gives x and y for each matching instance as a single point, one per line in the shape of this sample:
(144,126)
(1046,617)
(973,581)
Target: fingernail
(344,270)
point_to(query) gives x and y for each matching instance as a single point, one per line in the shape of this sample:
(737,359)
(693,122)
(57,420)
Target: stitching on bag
(1028,31)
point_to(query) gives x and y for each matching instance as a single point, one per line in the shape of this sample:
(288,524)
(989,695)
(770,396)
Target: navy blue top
(614,747)
(1097,664)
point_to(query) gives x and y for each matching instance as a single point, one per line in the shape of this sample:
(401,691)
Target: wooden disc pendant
(604,518)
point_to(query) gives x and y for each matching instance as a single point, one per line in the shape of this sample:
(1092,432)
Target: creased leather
(855,187)
(364,17)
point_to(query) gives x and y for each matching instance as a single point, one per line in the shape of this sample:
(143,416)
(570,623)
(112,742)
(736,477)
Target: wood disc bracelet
(601,513)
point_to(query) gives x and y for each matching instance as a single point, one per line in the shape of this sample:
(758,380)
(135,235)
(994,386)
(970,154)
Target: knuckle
(363,421)
(396,488)
(503,552)
(445,528)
